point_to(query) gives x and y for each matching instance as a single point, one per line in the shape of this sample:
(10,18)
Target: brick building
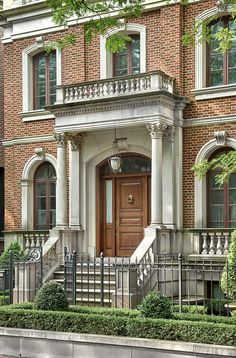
(158,106)
(1,147)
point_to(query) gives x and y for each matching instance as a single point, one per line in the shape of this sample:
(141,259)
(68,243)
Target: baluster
(212,244)
(121,86)
(90,91)
(116,87)
(27,242)
(204,245)
(219,246)
(67,94)
(132,85)
(138,84)
(147,82)
(101,89)
(95,90)
(80,91)
(111,88)
(226,245)
(32,239)
(106,89)
(38,241)
(126,86)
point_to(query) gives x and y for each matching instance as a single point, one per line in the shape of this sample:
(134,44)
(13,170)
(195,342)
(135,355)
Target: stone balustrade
(115,87)
(213,241)
(34,239)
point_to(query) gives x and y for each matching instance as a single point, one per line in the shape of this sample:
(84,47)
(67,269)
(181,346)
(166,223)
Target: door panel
(131,213)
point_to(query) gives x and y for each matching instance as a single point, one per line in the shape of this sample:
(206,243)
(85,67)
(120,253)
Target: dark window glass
(222,67)
(221,201)
(130,165)
(45,197)
(127,61)
(44,79)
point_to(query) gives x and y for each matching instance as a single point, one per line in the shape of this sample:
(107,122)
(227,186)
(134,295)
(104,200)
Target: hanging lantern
(115,164)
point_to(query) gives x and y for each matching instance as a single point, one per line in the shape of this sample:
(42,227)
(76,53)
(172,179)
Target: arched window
(45,197)
(221,66)
(221,200)
(44,66)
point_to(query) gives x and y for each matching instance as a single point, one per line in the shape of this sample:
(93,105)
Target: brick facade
(165,27)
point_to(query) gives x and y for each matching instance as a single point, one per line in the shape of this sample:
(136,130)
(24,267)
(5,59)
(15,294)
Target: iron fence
(118,282)
(21,277)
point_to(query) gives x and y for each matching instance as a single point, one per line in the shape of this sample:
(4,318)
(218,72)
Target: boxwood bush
(51,297)
(155,305)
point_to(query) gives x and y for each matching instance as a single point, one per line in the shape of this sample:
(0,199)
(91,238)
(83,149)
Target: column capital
(75,141)
(61,139)
(169,134)
(156,130)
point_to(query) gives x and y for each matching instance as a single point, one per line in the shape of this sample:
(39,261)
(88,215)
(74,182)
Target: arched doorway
(122,205)
(45,197)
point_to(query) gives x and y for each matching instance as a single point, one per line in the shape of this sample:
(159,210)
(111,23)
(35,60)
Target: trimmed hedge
(198,332)
(118,312)
(176,330)
(192,309)
(205,318)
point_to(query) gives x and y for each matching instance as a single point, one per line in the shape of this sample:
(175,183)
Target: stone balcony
(117,87)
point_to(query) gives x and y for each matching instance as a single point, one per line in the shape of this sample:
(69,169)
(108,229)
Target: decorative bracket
(221,137)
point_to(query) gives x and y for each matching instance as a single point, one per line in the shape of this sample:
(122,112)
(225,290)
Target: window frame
(47,79)
(129,57)
(225,21)
(48,182)
(225,187)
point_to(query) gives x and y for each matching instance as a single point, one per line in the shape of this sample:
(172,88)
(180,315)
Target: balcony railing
(213,241)
(115,87)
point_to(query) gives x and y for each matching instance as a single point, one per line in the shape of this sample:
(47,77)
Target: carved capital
(61,139)
(75,141)
(156,130)
(221,137)
(169,134)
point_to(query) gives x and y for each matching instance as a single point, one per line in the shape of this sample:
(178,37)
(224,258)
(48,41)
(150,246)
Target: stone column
(75,219)
(156,131)
(61,187)
(168,176)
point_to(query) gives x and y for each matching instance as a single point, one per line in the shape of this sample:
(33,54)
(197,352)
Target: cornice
(158,98)
(27,140)
(206,121)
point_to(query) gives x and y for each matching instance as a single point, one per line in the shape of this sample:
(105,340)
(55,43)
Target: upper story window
(222,67)
(131,60)
(44,79)
(127,61)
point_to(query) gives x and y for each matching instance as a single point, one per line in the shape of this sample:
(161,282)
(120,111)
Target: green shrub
(192,309)
(15,249)
(176,330)
(51,297)
(217,307)
(23,305)
(187,331)
(155,305)
(118,312)
(205,318)
(4,301)
(227,282)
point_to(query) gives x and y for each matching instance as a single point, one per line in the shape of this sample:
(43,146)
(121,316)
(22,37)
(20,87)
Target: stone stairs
(89,283)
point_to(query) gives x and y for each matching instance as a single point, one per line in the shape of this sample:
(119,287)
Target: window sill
(214,92)
(37,115)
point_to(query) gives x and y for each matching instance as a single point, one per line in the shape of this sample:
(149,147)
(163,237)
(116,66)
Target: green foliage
(155,305)
(187,331)
(226,163)
(217,307)
(192,309)
(200,329)
(101,16)
(104,311)
(51,297)
(13,249)
(228,280)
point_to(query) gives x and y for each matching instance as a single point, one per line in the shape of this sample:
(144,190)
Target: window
(44,66)
(127,61)
(221,201)
(222,67)
(45,197)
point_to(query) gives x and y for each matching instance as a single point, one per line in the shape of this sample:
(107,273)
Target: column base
(158,225)
(76,227)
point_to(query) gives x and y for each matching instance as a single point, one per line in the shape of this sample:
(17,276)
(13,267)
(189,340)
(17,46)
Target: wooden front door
(131,213)
(124,214)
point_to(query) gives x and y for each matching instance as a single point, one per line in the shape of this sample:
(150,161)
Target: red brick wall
(1,100)
(82,63)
